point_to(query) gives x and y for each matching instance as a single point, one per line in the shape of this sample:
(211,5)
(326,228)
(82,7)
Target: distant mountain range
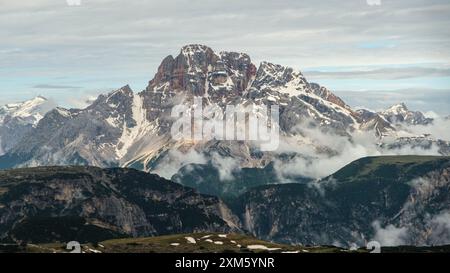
(130,129)
(19,119)
(397,200)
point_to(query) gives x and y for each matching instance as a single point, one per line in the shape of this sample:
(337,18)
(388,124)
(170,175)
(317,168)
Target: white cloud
(439,129)
(440,229)
(390,235)
(311,160)
(225,165)
(175,160)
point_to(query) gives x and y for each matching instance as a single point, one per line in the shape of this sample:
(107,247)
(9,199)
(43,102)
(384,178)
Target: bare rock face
(329,96)
(400,200)
(372,121)
(198,70)
(51,204)
(82,137)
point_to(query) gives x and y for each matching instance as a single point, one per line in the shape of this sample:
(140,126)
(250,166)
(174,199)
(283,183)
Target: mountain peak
(279,78)
(400,113)
(277,71)
(124,90)
(27,108)
(39,98)
(34,101)
(198,70)
(192,48)
(398,108)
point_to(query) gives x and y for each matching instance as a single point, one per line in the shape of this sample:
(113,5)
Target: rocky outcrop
(395,200)
(199,71)
(112,202)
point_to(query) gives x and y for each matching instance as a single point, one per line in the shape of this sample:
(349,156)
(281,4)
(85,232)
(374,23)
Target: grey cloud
(421,99)
(309,32)
(390,235)
(126,41)
(381,74)
(52,86)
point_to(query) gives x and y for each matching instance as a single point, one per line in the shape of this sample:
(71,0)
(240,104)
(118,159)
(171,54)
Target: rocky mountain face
(401,114)
(395,127)
(90,136)
(375,122)
(19,119)
(199,71)
(130,129)
(394,200)
(48,204)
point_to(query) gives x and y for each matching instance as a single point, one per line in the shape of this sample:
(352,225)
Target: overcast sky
(371,55)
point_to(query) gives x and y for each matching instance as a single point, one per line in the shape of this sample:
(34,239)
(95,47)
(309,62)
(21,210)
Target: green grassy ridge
(389,167)
(232,243)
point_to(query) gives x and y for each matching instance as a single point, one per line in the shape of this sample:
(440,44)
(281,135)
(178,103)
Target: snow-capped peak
(30,111)
(399,113)
(123,90)
(193,48)
(279,78)
(397,109)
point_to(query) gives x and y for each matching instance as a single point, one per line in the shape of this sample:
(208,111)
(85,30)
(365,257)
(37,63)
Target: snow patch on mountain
(30,111)
(1,147)
(132,133)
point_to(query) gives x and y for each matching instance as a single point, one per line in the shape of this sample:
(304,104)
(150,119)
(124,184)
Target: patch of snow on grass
(191,240)
(261,247)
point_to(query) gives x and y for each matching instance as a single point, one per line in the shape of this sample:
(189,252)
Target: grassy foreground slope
(206,243)
(184,243)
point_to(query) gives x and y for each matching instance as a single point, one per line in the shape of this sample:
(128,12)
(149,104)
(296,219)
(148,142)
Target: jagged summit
(200,71)
(19,119)
(195,48)
(281,78)
(397,108)
(399,113)
(124,90)
(31,110)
